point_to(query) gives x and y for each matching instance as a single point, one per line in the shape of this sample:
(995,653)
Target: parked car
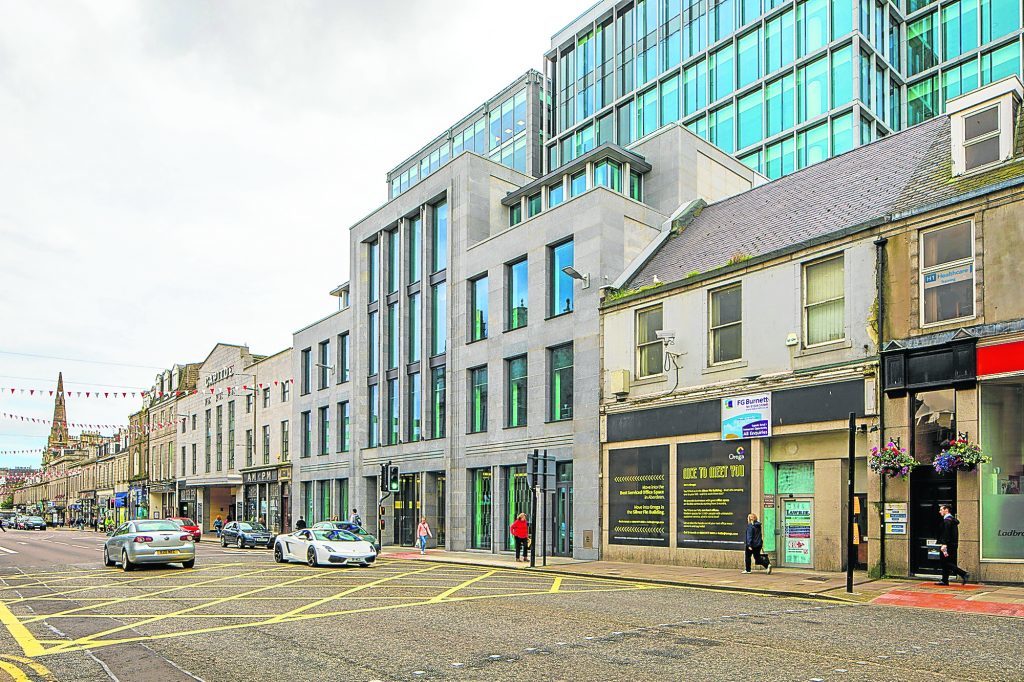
(34,523)
(156,541)
(319,547)
(353,528)
(189,526)
(242,534)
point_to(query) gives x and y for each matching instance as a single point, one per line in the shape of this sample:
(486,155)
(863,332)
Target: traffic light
(393,482)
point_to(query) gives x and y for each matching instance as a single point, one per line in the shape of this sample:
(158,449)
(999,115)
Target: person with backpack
(754,543)
(520,530)
(949,539)
(355,518)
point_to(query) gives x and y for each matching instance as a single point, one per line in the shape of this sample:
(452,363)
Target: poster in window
(713,491)
(638,496)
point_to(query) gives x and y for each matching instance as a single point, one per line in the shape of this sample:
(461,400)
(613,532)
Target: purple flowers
(891,461)
(961,455)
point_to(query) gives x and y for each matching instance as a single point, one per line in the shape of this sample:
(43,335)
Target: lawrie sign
(747,416)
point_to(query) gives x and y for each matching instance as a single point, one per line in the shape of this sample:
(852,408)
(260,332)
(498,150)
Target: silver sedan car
(148,542)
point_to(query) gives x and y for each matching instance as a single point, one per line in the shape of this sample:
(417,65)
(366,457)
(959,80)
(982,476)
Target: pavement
(239,616)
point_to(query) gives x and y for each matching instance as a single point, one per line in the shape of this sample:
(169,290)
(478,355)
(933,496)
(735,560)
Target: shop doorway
(798,532)
(407,509)
(439,531)
(562,516)
(928,490)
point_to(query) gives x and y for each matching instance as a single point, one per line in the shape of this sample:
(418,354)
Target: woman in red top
(520,532)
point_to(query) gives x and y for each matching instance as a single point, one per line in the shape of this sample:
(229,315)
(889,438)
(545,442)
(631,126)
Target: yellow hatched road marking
(14,671)
(39,668)
(447,593)
(556,584)
(28,642)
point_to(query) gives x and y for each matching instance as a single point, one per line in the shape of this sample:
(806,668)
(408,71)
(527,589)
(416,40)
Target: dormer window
(982,124)
(981,138)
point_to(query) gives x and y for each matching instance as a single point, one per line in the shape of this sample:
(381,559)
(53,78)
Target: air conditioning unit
(620,383)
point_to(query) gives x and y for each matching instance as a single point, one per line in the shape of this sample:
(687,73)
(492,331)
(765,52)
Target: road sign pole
(851,548)
(544,512)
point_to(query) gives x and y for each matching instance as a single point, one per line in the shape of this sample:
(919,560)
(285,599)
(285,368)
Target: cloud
(179,172)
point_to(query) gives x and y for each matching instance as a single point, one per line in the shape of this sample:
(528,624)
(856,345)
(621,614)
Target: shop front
(187,501)
(138,500)
(264,493)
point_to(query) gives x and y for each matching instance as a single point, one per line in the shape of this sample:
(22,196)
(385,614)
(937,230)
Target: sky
(176,173)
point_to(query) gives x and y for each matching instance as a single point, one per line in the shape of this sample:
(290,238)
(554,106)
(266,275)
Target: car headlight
(329,548)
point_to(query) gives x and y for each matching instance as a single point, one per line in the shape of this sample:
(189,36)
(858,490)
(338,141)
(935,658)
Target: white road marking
(9,551)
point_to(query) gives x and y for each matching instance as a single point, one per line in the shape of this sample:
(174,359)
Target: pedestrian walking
(520,530)
(949,539)
(217,525)
(355,518)
(755,541)
(423,532)
(300,524)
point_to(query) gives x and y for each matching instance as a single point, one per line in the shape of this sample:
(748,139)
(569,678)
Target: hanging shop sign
(638,496)
(263,476)
(747,416)
(713,494)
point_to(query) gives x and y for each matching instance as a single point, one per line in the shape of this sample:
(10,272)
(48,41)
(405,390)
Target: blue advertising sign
(748,416)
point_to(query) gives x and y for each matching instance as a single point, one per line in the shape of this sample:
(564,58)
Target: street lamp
(575,274)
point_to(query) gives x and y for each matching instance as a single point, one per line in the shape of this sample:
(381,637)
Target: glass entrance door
(798,532)
(439,531)
(517,499)
(407,509)
(562,517)
(928,490)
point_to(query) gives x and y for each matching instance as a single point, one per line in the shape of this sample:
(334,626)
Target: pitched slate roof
(901,172)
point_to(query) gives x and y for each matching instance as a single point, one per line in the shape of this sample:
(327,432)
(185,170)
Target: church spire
(59,430)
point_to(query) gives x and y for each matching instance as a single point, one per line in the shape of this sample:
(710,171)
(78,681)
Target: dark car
(35,523)
(353,528)
(242,534)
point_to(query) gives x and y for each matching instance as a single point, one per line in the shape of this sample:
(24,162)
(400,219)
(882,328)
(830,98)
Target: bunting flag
(145,428)
(119,395)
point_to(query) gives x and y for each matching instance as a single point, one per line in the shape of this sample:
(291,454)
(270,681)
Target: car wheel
(197,538)
(278,554)
(188,564)
(240,543)
(223,541)
(126,564)
(311,558)
(106,557)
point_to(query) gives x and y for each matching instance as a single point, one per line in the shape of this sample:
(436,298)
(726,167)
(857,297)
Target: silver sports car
(148,542)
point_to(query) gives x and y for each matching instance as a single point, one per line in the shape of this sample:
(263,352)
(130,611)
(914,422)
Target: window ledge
(552,317)
(470,343)
(513,329)
(653,379)
(521,426)
(567,420)
(840,344)
(725,366)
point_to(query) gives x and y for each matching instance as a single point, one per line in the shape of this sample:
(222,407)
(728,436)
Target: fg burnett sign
(748,416)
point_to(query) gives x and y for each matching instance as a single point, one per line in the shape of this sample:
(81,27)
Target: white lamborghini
(324,547)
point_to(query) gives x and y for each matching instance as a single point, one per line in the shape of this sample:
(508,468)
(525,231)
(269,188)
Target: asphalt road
(239,616)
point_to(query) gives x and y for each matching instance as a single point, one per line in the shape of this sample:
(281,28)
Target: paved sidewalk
(901,592)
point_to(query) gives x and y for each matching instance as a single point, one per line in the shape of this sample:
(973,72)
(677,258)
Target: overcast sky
(175,173)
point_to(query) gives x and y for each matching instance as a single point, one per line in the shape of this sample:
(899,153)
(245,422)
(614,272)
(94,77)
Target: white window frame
(712,329)
(997,133)
(803,304)
(922,271)
(637,345)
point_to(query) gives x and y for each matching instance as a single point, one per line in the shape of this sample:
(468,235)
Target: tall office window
(343,357)
(266,444)
(393,336)
(183,451)
(414,327)
(439,318)
(515,391)
(824,302)
(438,401)
(812,89)
(391,435)
(307,435)
(415,249)
(478,308)
(266,397)
(231,435)
(439,235)
(325,430)
(248,448)
(562,296)
(811,26)
(516,304)
(649,351)
(721,72)
(414,409)
(306,369)
(748,58)
(285,434)
(779,42)
(947,273)
(373,270)
(999,18)
(209,432)
(372,334)
(394,260)
(219,434)
(323,364)
(726,324)
(560,382)
(373,416)
(193,459)
(608,173)
(344,427)
(478,399)
(922,45)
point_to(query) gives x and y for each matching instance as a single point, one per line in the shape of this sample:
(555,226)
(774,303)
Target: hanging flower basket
(961,455)
(891,461)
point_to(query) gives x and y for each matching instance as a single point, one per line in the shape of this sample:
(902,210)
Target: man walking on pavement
(949,538)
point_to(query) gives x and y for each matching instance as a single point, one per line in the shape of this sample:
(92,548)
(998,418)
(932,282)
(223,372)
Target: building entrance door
(928,490)
(439,531)
(407,509)
(798,532)
(562,516)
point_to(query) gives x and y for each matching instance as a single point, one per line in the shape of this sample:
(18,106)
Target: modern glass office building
(780,84)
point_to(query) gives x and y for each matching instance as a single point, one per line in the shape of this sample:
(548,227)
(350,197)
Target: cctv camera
(666,335)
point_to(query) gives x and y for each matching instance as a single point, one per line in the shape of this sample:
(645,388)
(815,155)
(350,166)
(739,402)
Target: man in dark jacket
(949,538)
(754,543)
